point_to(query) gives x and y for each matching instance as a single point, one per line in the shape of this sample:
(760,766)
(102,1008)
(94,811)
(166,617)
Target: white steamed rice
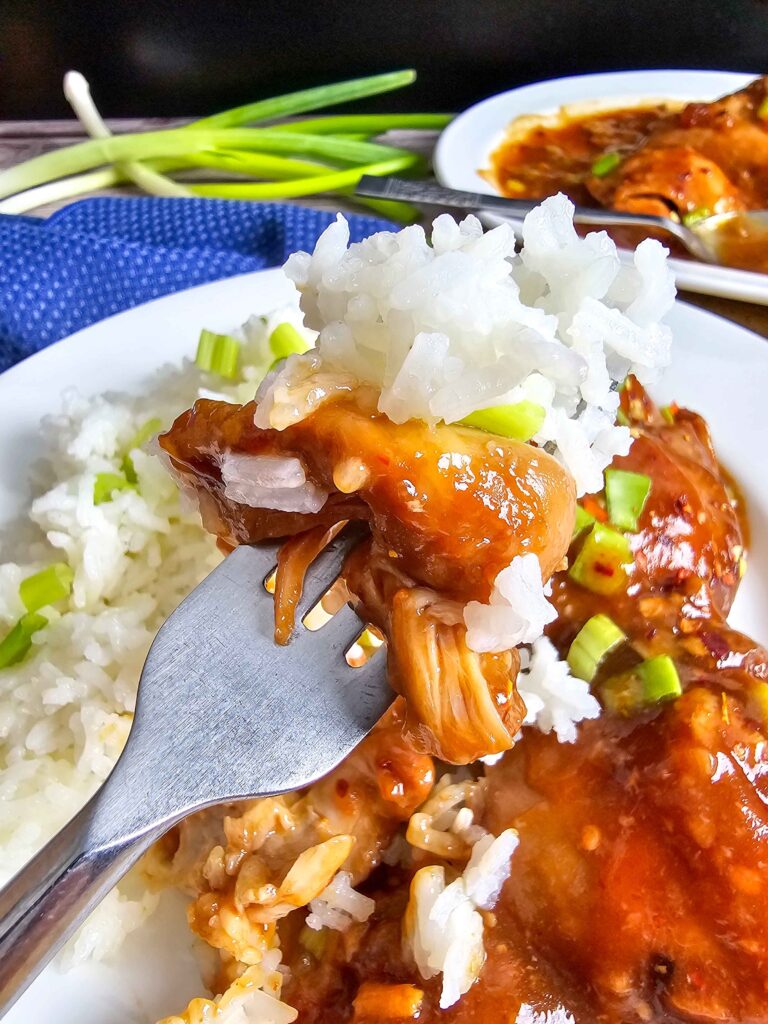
(445,329)
(65,711)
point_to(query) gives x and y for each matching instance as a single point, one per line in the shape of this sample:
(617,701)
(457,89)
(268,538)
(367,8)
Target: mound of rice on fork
(461,344)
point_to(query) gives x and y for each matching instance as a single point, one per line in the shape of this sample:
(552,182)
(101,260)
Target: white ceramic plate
(466,145)
(717,368)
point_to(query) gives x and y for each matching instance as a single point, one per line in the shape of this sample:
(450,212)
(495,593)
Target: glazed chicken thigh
(448,507)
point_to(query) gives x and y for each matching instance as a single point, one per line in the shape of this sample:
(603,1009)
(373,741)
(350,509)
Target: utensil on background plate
(700,238)
(223,713)
(465,147)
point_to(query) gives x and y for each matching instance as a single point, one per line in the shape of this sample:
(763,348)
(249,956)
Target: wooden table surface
(20,140)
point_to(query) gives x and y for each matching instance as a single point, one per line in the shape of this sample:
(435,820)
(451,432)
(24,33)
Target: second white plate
(466,145)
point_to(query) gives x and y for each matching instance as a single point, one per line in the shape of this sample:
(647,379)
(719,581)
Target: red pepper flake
(342,788)
(383,459)
(715,644)
(593,506)
(603,569)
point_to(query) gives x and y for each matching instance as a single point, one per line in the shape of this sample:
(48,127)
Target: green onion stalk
(271,161)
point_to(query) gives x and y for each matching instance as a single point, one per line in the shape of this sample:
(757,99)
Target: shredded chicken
(254,867)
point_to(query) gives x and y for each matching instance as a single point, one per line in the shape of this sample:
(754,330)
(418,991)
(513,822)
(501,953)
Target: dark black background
(157,57)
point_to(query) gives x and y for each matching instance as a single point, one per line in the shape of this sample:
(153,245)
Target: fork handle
(433,194)
(51,896)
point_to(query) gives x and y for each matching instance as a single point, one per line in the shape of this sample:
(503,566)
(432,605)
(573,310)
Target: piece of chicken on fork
(448,508)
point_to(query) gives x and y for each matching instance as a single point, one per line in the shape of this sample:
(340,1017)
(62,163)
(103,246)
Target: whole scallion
(318,154)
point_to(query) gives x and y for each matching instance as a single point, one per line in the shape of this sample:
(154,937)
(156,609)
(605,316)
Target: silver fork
(223,714)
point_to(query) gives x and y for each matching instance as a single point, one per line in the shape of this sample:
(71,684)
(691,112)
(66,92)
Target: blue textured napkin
(100,256)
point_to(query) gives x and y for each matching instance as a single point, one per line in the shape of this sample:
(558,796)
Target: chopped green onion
(139,439)
(519,421)
(621,418)
(16,644)
(46,587)
(147,430)
(605,164)
(218,353)
(668,414)
(700,213)
(105,485)
(583,520)
(314,941)
(660,679)
(286,340)
(626,494)
(622,694)
(762,110)
(596,638)
(600,565)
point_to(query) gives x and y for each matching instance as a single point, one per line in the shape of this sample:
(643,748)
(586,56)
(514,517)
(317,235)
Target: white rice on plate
(441,330)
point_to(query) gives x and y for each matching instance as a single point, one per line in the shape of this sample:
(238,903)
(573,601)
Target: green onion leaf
(660,679)
(105,485)
(668,414)
(605,164)
(700,213)
(583,520)
(519,421)
(286,340)
(626,494)
(309,99)
(762,110)
(621,418)
(366,124)
(334,180)
(600,566)
(314,941)
(596,638)
(16,644)
(46,587)
(218,353)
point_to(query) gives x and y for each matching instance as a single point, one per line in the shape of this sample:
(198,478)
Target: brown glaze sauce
(638,893)
(691,162)
(559,157)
